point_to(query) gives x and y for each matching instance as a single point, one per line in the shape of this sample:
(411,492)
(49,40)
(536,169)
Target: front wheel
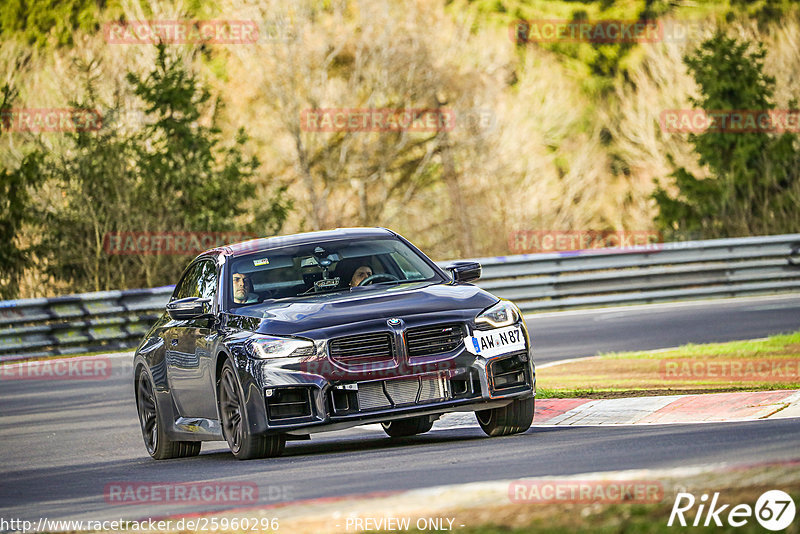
(408,427)
(235,428)
(156,441)
(513,418)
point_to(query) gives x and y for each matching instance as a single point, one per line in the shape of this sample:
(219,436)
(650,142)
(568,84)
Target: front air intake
(508,373)
(288,403)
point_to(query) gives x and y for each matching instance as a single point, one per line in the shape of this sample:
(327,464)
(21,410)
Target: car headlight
(504,313)
(281,347)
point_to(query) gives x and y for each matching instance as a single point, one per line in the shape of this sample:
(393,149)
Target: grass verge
(488,507)
(755,365)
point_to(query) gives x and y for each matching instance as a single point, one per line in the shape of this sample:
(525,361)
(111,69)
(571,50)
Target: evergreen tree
(172,174)
(753,187)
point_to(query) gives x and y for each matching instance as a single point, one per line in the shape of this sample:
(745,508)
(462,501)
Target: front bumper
(297,397)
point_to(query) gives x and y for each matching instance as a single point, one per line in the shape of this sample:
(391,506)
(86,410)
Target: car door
(190,362)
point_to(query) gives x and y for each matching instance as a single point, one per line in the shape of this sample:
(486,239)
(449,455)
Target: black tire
(233,418)
(511,419)
(156,441)
(408,427)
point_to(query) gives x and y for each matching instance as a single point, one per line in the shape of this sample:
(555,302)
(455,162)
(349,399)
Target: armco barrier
(536,282)
(644,274)
(78,323)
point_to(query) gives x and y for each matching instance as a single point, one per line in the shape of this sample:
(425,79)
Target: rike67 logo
(774,510)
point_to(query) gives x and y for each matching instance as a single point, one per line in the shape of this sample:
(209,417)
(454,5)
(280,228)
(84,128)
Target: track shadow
(331,444)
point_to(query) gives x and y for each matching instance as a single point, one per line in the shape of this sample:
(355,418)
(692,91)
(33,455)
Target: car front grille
(362,349)
(371,396)
(435,339)
(402,391)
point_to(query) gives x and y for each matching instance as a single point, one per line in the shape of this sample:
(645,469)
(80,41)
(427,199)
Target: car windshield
(342,265)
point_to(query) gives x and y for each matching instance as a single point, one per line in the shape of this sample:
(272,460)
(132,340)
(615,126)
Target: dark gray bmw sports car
(274,339)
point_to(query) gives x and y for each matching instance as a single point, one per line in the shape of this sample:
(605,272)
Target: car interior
(281,276)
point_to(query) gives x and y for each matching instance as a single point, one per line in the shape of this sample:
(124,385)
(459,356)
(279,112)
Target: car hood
(300,315)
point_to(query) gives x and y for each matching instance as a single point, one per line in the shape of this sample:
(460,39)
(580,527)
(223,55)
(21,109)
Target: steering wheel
(371,278)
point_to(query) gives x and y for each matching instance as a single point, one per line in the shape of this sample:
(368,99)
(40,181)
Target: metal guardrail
(74,324)
(645,274)
(536,282)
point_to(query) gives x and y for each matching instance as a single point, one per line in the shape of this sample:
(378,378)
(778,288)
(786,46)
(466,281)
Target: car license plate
(490,343)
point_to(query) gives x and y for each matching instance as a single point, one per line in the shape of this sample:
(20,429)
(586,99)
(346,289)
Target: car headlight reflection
(281,347)
(504,313)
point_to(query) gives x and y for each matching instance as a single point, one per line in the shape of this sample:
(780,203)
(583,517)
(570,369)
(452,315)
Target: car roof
(267,243)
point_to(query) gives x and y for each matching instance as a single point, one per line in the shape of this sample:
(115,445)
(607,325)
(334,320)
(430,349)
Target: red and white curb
(708,407)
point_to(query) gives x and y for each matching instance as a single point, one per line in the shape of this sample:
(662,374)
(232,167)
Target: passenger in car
(361,274)
(347,268)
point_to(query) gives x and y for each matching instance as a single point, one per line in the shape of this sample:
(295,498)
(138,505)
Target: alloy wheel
(231,408)
(147,413)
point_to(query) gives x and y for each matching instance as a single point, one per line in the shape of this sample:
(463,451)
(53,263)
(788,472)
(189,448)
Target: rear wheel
(408,427)
(243,444)
(156,440)
(513,418)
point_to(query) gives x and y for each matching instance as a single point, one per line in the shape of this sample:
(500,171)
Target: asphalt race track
(64,441)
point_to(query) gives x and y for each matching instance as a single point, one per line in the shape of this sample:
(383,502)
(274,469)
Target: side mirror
(464,271)
(189,308)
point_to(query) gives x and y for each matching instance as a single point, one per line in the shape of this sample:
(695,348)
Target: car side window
(207,282)
(200,281)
